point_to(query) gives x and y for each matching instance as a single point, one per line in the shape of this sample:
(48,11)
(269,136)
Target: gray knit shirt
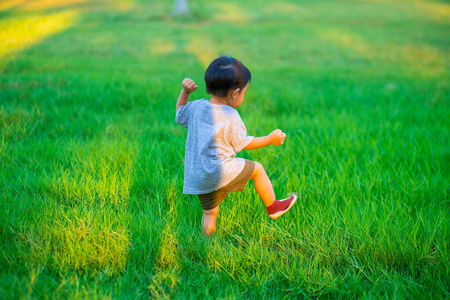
(215,134)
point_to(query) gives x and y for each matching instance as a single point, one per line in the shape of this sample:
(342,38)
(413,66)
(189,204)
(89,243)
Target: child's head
(226,74)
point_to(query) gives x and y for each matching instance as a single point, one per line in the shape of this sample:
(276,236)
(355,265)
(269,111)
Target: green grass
(91,160)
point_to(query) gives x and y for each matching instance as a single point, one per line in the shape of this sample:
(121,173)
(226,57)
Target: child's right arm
(276,137)
(188,87)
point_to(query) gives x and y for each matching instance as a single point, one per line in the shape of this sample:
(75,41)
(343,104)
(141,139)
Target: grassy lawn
(91,160)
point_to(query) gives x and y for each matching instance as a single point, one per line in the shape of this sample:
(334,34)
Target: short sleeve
(240,138)
(182,115)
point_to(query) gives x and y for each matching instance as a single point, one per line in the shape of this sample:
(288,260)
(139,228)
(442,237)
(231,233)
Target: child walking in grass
(215,134)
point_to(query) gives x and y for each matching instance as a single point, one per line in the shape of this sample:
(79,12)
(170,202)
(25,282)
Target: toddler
(215,134)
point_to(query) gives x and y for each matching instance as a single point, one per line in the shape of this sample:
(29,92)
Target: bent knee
(259,169)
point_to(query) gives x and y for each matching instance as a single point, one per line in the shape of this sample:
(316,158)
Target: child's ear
(235,93)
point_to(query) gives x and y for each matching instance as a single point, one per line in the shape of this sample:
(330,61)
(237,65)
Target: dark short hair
(225,74)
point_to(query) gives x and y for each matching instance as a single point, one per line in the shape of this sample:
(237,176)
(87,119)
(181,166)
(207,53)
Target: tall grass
(91,160)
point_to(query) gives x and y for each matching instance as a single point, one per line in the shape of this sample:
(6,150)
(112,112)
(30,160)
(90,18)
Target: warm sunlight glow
(423,59)
(100,172)
(97,175)
(232,13)
(431,8)
(161,46)
(49,4)
(347,40)
(434,8)
(203,48)
(11,4)
(123,5)
(17,34)
(285,8)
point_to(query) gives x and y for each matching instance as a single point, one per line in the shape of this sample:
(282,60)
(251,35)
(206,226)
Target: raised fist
(277,137)
(188,85)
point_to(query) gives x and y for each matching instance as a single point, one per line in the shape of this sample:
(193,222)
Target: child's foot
(279,207)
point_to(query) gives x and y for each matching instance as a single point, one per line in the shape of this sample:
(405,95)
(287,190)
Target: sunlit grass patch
(203,48)
(96,172)
(161,46)
(10,4)
(167,262)
(428,9)
(89,240)
(231,13)
(62,239)
(344,39)
(20,32)
(122,5)
(81,224)
(40,5)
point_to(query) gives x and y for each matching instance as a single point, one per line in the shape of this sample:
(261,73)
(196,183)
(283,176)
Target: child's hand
(188,85)
(277,137)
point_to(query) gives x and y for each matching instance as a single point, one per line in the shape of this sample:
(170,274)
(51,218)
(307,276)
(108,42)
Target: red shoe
(279,207)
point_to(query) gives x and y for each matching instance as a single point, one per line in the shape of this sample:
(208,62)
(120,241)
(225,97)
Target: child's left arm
(188,87)
(276,137)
